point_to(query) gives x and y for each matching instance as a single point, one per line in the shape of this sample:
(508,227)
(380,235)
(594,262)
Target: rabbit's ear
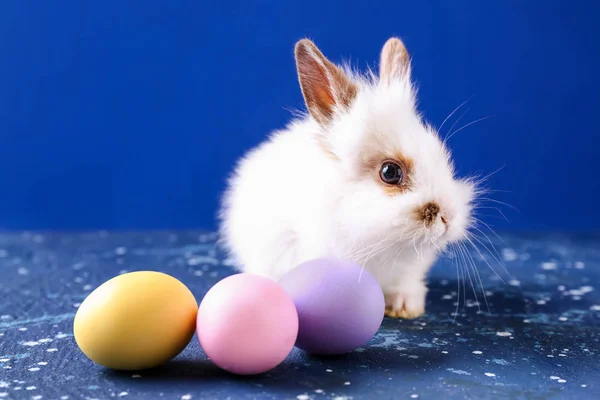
(325,87)
(395,61)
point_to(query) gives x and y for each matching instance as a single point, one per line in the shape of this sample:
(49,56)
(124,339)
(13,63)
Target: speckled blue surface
(539,340)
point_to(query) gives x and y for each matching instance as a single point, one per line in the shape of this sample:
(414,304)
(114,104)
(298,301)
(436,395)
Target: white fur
(289,201)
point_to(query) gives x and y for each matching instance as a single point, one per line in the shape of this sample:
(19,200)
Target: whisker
(454,124)
(470,279)
(457,286)
(491,208)
(492,254)
(476,272)
(453,112)
(467,125)
(498,202)
(484,259)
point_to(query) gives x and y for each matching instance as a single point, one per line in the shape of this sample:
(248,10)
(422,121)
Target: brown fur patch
(372,165)
(324,85)
(427,213)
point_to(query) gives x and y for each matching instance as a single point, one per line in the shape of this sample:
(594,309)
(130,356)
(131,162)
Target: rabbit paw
(406,305)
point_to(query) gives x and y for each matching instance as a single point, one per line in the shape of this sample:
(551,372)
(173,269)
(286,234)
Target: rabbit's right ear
(325,87)
(394,61)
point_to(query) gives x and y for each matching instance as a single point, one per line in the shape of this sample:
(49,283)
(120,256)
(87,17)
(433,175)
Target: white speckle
(561,288)
(302,397)
(509,254)
(45,340)
(123,394)
(30,388)
(328,370)
(550,355)
(87,287)
(186,397)
(23,271)
(3,394)
(554,378)
(446,297)
(78,279)
(457,334)
(562,381)
(78,265)
(23,329)
(526,321)
(503,334)
(458,371)
(586,289)
(64,397)
(61,336)
(198,273)
(76,305)
(34,369)
(414,396)
(42,363)
(514,282)
(579,264)
(584,385)
(319,391)
(576,297)
(563,319)
(4,384)
(347,383)
(120,251)
(30,344)
(51,350)
(595,307)
(135,376)
(489,374)
(38,397)
(548,266)
(3,360)
(444,352)
(541,302)
(477,352)
(5,317)
(562,355)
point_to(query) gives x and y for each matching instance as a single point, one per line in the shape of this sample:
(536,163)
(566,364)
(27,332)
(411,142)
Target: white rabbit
(361,176)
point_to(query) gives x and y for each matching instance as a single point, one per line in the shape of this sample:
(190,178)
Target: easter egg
(247,324)
(135,321)
(340,305)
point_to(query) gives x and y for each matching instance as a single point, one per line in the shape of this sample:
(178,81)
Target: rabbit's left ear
(325,86)
(395,61)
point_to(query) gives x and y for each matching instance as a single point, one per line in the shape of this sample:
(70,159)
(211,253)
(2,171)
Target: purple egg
(340,305)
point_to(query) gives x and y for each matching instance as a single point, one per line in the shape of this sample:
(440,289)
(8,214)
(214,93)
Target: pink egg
(247,324)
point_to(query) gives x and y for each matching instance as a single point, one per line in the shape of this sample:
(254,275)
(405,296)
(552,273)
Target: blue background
(129,115)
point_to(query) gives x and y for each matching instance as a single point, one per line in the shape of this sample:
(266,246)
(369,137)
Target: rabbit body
(360,177)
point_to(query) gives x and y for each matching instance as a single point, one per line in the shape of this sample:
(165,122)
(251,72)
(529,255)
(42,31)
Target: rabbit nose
(429,213)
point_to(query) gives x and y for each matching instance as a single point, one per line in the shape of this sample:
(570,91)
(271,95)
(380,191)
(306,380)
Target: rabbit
(359,176)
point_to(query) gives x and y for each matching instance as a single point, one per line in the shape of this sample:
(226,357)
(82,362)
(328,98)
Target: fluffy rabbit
(361,176)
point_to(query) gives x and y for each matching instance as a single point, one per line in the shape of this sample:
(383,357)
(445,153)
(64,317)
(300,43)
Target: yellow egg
(135,321)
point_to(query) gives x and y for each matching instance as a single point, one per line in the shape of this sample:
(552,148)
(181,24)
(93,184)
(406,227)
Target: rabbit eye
(391,173)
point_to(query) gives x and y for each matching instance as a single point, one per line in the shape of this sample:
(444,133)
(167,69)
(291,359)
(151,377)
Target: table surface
(539,339)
